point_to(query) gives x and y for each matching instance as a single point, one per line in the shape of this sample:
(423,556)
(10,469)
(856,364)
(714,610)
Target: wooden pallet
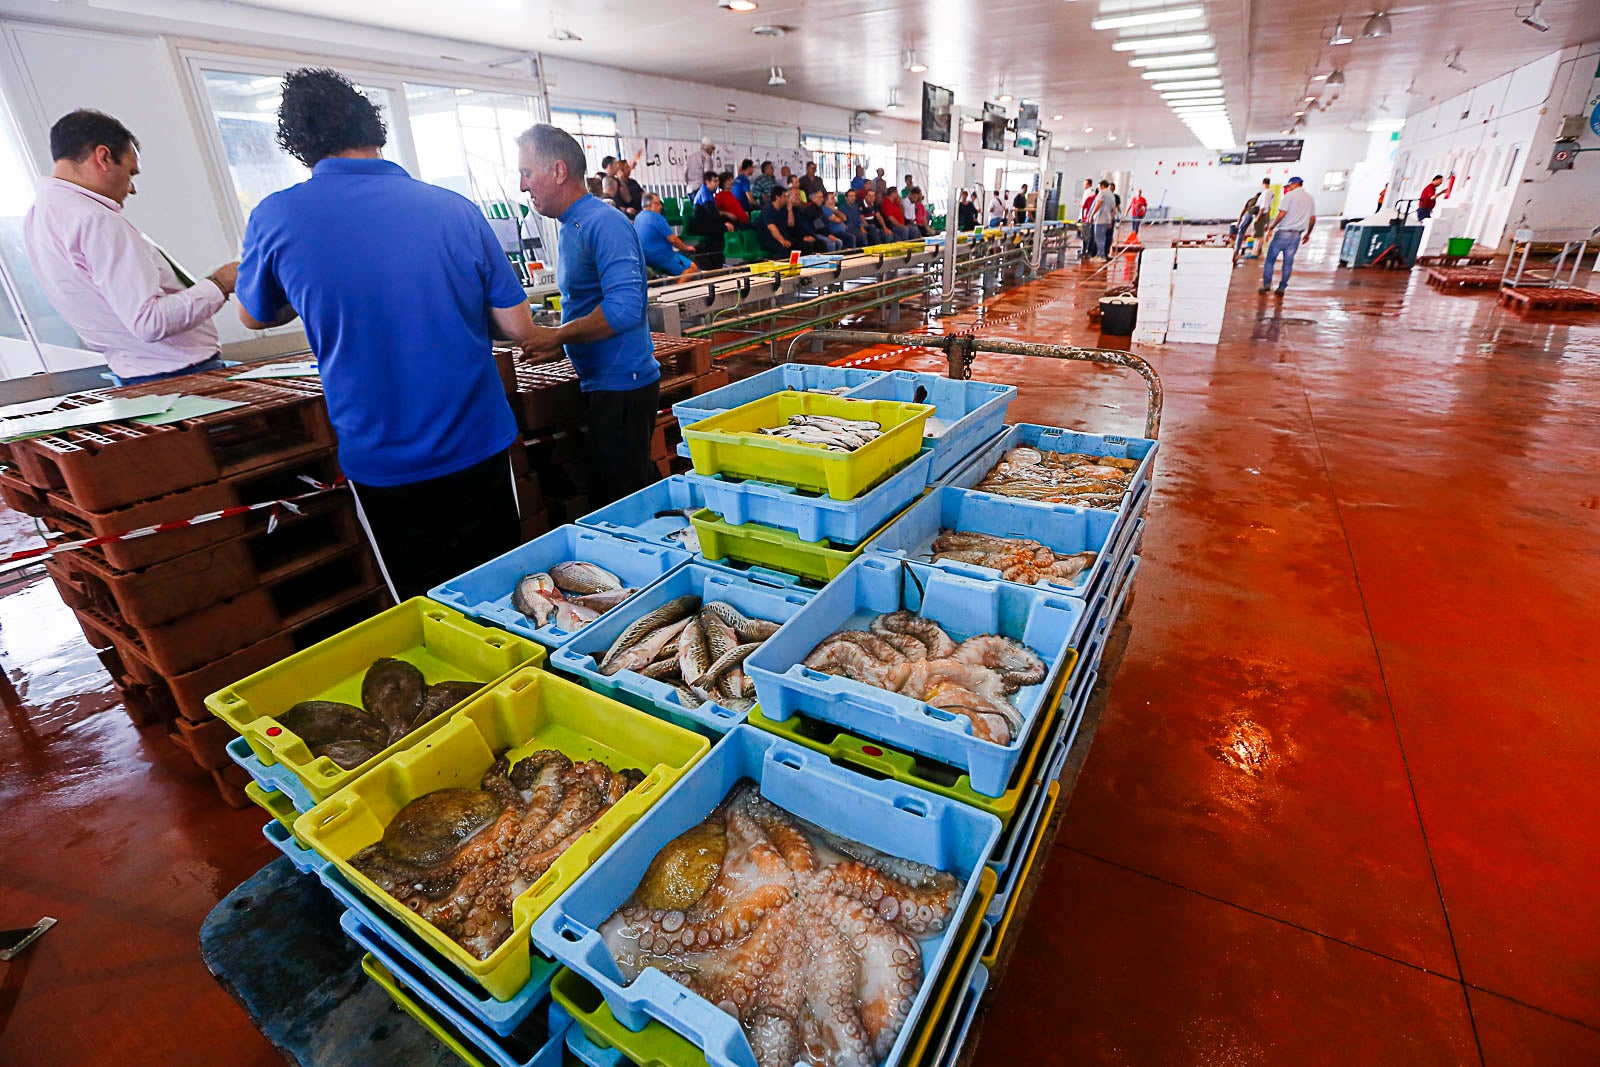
(1550,298)
(1459,278)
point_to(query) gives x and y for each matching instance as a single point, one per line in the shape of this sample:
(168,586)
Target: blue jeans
(1243,227)
(1135,223)
(1102,237)
(1288,243)
(1087,229)
(214,363)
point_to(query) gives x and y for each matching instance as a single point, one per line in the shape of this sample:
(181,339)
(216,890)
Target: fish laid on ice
(580,578)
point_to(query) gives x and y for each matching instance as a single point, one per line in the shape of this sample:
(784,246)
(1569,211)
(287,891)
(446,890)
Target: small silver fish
(644,652)
(646,625)
(578,577)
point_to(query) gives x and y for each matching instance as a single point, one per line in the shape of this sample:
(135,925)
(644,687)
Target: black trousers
(618,456)
(424,533)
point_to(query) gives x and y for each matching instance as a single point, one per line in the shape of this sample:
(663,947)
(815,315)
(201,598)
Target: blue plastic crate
(1046,621)
(304,859)
(1055,439)
(947,1052)
(813,517)
(634,517)
(270,775)
(1025,832)
(538,1040)
(590,1054)
(495,1016)
(790,376)
(970,412)
(751,594)
(885,815)
(1060,527)
(484,593)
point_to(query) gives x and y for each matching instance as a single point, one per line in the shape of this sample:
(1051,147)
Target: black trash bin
(1118,316)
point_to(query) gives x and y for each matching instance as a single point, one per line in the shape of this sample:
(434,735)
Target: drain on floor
(1285,321)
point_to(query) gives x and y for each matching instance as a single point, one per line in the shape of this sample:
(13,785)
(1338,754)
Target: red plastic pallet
(120,463)
(1464,278)
(1550,298)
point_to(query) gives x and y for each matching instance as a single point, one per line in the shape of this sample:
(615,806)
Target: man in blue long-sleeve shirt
(605,329)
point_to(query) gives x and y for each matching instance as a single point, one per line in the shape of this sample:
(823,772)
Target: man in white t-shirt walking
(1297,217)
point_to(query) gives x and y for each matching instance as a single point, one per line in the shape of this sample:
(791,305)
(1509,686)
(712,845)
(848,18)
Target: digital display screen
(936,104)
(1028,129)
(994,127)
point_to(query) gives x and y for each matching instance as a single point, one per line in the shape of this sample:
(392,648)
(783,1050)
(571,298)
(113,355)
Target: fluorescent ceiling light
(1055,118)
(1181,111)
(268,103)
(1186,72)
(1386,126)
(1203,83)
(1162,44)
(1193,94)
(1004,98)
(262,83)
(737,5)
(1148,18)
(1179,59)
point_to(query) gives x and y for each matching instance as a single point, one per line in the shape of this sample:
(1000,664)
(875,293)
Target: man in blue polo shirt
(605,328)
(400,285)
(664,250)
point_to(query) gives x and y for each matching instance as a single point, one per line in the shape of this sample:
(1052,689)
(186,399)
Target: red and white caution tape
(17,560)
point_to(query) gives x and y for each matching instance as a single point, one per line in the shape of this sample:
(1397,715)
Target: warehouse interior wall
(1192,184)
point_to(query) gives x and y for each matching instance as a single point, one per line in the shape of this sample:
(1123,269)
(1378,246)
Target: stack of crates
(495,1010)
(178,614)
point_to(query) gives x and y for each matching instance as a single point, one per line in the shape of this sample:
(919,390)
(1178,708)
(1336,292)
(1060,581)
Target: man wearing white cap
(1297,217)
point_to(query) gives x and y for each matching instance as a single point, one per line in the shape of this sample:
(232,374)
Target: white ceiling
(848,53)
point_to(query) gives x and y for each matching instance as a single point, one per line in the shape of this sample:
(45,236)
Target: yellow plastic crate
(730,443)
(528,711)
(1035,851)
(768,546)
(445,1035)
(769,266)
(439,641)
(950,985)
(273,803)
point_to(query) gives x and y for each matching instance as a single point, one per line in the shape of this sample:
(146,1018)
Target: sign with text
(1282,151)
(1230,159)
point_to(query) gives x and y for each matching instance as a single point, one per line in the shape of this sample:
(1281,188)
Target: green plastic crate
(1003,932)
(768,546)
(439,641)
(880,761)
(530,710)
(730,443)
(446,1036)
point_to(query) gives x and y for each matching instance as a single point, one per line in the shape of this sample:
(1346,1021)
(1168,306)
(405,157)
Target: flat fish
(321,722)
(441,697)
(579,578)
(392,690)
(642,627)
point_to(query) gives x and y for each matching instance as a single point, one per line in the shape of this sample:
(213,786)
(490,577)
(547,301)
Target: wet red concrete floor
(1340,805)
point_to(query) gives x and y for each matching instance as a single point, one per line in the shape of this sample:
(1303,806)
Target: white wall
(1570,197)
(1482,141)
(1194,185)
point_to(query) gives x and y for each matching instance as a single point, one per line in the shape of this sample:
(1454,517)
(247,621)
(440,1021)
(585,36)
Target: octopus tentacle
(727,924)
(889,973)
(914,909)
(831,995)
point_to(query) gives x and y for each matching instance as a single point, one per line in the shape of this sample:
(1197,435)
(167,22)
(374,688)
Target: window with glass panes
(596,131)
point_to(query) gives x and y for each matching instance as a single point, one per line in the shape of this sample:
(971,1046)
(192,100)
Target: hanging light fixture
(740,6)
(775,76)
(912,63)
(1336,78)
(1339,36)
(1377,26)
(894,99)
(1160,17)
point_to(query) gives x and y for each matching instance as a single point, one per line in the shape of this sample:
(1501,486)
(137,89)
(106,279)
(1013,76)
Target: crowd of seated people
(785,213)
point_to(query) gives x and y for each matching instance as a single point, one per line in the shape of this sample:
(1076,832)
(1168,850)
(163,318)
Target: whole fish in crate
(572,594)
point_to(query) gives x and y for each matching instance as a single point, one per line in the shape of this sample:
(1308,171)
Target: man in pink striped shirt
(114,286)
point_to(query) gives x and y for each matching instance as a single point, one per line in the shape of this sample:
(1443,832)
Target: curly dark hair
(323,114)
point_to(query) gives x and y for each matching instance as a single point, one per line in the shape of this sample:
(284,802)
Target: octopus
(971,680)
(809,940)
(459,857)
(1061,477)
(396,699)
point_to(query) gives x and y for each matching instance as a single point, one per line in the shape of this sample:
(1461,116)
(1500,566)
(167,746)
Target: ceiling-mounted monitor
(994,127)
(937,102)
(1284,150)
(1028,128)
